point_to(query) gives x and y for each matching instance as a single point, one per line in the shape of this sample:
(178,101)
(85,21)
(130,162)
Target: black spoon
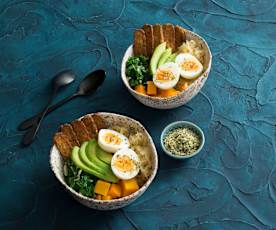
(60,80)
(87,86)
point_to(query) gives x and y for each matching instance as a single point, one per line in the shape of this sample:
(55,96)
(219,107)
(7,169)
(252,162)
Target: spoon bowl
(63,78)
(91,82)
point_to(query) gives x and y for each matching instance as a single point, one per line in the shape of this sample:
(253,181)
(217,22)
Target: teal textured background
(231,184)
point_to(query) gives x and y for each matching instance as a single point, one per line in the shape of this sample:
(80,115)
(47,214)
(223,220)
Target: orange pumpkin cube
(168,92)
(107,197)
(129,186)
(151,89)
(102,187)
(98,197)
(115,191)
(140,89)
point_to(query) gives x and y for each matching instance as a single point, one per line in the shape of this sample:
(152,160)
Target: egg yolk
(164,75)
(124,163)
(111,138)
(189,65)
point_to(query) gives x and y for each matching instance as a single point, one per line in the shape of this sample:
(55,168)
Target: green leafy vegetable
(137,70)
(79,180)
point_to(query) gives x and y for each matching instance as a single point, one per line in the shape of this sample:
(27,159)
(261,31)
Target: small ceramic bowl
(181,98)
(182,124)
(57,162)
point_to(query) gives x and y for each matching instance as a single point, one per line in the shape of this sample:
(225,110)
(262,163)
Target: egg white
(111,147)
(133,156)
(174,69)
(188,74)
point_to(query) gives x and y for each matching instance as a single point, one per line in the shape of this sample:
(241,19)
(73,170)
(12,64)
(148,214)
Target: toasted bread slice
(180,36)
(169,36)
(157,35)
(67,129)
(81,131)
(149,38)
(63,144)
(100,123)
(90,125)
(139,46)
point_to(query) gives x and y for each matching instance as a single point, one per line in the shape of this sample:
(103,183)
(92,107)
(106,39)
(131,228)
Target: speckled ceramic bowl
(183,97)
(56,162)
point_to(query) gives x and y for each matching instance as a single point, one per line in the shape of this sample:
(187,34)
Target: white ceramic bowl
(183,97)
(56,162)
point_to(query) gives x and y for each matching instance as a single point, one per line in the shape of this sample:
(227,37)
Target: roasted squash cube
(140,89)
(98,197)
(167,92)
(107,197)
(102,187)
(151,89)
(115,191)
(129,186)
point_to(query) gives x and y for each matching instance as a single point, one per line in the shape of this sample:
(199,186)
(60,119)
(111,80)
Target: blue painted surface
(231,184)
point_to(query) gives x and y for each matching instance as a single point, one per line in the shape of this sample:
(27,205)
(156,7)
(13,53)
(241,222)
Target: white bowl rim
(125,198)
(124,78)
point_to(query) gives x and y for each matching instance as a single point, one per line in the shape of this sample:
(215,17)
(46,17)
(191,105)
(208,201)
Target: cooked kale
(79,180)
(137,70)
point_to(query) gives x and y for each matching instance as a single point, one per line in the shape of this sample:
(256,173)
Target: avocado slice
(164,56)
(88,157)
(77,161)
(103,155)
(171,58)
(156,56)
(91,153)
(85,160)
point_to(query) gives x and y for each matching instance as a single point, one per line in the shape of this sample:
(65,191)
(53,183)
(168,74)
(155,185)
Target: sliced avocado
(171,58)
(91,152)
(156,56)
(85,159)
(164,56)
(89,158)
(77,161)
(103,155)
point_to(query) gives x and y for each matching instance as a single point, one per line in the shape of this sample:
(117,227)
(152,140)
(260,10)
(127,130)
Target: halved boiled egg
(125,164)
(190,67)
(166,76)
(111,141)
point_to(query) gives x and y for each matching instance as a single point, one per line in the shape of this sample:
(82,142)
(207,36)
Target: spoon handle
(29,136)
(29,122)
